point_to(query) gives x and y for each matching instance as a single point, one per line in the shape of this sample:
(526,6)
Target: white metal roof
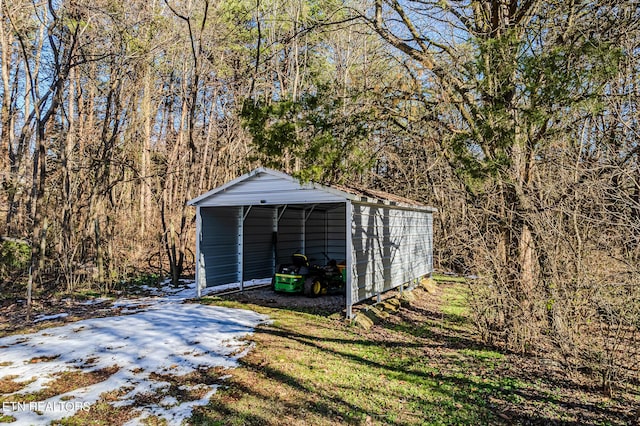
(264,186)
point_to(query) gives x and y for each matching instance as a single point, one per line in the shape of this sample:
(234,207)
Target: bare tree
(527,108)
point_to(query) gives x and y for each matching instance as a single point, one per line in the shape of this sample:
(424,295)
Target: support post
(240,273)
(274,230)
(198,256)
(349,259)
(244,212)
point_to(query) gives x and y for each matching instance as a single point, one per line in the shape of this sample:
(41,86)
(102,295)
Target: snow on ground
(50,317)
(170,294)
(163,336)
(235,286)
(96,301)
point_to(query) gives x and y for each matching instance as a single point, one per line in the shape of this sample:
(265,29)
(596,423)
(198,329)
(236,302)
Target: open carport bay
(268,236)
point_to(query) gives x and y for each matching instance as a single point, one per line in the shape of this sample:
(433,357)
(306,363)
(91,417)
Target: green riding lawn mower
(311,280)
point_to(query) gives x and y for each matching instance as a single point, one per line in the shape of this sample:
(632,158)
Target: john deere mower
(311,280)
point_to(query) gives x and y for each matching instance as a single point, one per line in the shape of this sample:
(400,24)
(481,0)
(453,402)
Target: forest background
(517,119)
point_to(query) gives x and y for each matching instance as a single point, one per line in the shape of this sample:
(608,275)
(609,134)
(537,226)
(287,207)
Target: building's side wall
(390,247)
(218,259)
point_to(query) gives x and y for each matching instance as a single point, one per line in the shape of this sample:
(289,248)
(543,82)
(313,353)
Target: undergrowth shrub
(14,257)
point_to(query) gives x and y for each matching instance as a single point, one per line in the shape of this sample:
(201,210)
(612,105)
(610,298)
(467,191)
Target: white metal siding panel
(368,252)
(336,247)
(219,245)
(315,236)
(325,235)
(390,247)
(258,243)
(266,189)
(289,235)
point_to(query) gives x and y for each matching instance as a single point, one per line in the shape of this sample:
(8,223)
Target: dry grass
(64,382)
(192,386)
(101,413)
(38,359)
(185,388)
(8,385)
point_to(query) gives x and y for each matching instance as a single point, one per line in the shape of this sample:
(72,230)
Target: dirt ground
(13,314)
(264,296)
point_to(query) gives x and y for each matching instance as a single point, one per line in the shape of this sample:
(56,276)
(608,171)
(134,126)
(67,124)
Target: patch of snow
(162,336)
(94,301)
(233,286)
(174,415)
(171,294)
(50,317)
(168,401)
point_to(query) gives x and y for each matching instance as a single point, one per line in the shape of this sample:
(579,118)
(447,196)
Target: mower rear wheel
(312,287)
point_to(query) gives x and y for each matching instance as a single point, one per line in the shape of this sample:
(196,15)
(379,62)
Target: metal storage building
(248,226)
